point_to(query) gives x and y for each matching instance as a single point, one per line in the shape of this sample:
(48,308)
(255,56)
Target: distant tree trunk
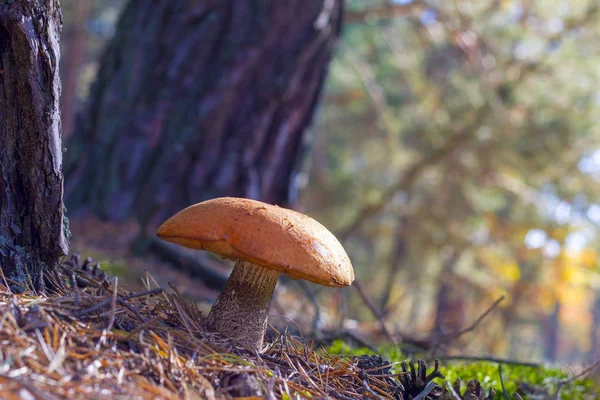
(76,37)
(450,303)
(551,333)
(595,331)
(398,258)
(198,99)
(31,209)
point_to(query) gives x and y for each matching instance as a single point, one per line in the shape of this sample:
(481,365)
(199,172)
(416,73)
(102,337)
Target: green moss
(521,379)
(121,270)
(516,378)
(340,347)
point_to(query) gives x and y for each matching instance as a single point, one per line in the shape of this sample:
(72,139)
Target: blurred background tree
(196,100)
(456,155)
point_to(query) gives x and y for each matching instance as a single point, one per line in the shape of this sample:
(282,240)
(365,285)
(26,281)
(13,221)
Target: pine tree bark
(32,237)
(200,99)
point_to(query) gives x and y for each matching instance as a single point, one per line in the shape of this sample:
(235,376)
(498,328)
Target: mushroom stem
(240,312)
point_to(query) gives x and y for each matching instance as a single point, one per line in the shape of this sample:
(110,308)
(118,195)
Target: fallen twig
(496,360)
(504,392)
(447,338)
(113,304)
(583,373)
(363,295)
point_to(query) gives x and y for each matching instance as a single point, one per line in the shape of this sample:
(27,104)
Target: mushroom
(265,241)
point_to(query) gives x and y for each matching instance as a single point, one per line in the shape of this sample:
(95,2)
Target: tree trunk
(551,329)
(32,237)
(76,38)
(450,304)
(200,99)
(595,331)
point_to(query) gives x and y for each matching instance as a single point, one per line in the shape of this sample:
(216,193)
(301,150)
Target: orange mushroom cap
(265,235)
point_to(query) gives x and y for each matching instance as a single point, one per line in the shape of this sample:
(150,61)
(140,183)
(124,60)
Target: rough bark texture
(241,310)
(200,99)
(32,237)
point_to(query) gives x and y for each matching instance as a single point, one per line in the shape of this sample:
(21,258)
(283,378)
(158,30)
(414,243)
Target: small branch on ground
(496,360)
(113,303)
(363,295)
(447,338)
(308,289)
(583,373)
(434,342)
(504,392)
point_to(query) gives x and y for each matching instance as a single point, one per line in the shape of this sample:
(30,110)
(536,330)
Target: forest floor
(94,338)
(132,338)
